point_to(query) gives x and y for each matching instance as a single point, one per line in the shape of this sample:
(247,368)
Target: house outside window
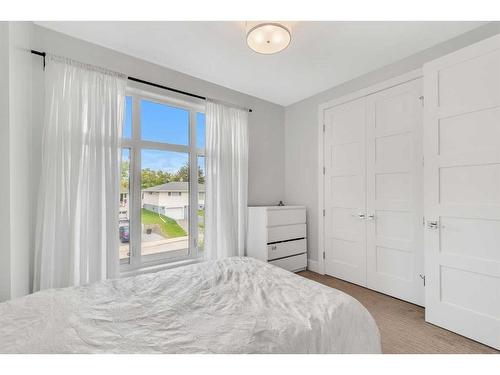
(162,187)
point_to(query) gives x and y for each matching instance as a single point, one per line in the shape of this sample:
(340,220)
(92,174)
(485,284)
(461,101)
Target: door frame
(395,81)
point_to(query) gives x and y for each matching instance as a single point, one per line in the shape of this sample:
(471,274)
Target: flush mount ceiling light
(268,38)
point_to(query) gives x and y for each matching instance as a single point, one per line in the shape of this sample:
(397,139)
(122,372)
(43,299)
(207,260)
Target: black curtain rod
(43,54)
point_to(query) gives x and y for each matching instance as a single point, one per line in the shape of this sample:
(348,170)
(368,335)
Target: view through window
(162,187)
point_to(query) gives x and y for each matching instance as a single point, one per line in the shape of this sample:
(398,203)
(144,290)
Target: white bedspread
(236,305)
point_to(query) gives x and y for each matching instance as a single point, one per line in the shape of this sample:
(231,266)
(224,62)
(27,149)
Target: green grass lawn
(201,219)
(169,228)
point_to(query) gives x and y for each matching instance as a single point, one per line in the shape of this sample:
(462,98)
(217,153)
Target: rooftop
(173,186)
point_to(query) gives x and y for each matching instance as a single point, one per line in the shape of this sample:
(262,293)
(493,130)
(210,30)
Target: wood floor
(401,324)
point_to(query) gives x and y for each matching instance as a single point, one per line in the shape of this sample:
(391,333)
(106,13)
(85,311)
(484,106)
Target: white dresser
(278,235)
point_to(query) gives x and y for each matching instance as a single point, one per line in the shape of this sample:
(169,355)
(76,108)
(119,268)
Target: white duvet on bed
(236,305)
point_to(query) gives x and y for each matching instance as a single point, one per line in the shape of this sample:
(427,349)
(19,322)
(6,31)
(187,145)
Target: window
(123,216)
(201,201)
(161,195)
(127,124)
(200,144)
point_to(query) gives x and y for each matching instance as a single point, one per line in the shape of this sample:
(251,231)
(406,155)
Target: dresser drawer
(295,263)
(285,249)
(286,216)
(286,232)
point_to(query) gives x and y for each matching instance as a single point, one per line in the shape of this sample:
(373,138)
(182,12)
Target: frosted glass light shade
(268,38)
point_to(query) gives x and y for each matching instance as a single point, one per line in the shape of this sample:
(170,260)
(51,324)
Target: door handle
(432,224)
(360,216)
(371,217)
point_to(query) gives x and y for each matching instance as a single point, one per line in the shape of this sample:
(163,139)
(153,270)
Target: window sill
(158,267)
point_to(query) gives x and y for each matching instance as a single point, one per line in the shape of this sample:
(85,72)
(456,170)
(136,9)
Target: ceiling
(320,56)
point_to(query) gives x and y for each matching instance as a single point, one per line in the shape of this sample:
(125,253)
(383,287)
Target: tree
(182,174)
(150,178)
(125,173)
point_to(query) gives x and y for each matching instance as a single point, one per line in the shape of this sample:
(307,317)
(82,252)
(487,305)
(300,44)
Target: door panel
(470,84)
(344,158)
(392,152)
(462,191)
(477,238)
(393,263)
(393,187)
(469,133)
(394,197)
(469,184)
(394,226)
(460,289)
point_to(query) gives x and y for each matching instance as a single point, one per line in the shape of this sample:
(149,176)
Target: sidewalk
(156,246)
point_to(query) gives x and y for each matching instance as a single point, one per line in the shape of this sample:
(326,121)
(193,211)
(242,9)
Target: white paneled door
(373,230)
(395,261)
(462,191)
(344,191)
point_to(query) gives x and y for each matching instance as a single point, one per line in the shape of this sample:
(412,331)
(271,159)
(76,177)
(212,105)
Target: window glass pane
(201,203)
(127,124)
(123,216)
(200,130)
(164,216)
(162,123)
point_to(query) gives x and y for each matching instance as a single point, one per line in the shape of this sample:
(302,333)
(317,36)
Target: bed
(235,305)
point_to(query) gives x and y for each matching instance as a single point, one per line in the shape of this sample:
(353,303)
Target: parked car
(124,234)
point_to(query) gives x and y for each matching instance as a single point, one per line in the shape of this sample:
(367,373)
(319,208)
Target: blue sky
(161,123)
(168,161)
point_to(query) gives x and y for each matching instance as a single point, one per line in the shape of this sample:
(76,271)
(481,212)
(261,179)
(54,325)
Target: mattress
(235,305)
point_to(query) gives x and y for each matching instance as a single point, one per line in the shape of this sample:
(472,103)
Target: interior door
(395,254)
(345,191)
(462,191)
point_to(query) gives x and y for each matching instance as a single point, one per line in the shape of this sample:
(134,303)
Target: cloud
(168,161)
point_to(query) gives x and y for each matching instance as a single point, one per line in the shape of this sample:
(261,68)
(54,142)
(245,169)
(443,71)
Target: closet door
(395,260)
(462,191)
(345,191)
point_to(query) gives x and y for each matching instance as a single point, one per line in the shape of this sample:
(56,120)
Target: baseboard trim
(312,265)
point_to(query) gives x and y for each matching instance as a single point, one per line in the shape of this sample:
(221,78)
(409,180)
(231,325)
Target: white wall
(4,164)
(20,157)
(173,200)
(301,126)
(266,133)
(15,167)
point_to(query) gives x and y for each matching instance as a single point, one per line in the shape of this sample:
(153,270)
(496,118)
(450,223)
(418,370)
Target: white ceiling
(321,54)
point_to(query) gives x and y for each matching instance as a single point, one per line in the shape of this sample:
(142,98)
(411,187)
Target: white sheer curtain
(77,212)
(226,181)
